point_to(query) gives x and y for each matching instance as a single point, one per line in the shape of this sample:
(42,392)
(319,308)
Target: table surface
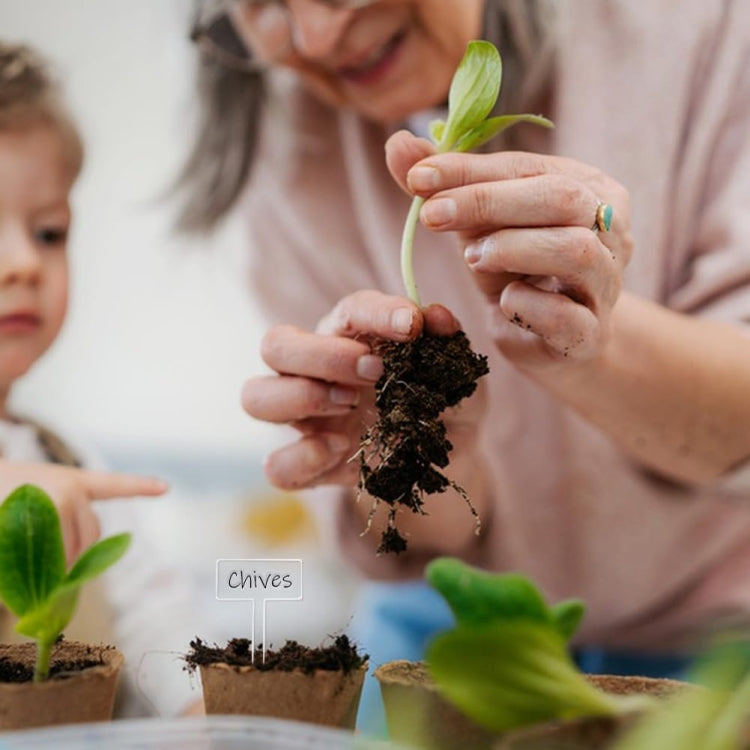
(194,733)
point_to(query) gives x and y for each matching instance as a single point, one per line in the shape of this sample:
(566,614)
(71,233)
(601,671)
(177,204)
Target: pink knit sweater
(658,95)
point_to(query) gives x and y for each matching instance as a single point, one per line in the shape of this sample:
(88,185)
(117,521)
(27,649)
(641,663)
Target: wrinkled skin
(524,222)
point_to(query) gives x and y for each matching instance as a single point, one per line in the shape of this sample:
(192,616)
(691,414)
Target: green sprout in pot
(473,94)
(34,583)
(506,663)
(403,454)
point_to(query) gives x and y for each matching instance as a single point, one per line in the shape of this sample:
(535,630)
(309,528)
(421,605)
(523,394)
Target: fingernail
(475,252)
(343,396)
(337,443)
(401,320)
(423,178)
(369,367)
(439,211)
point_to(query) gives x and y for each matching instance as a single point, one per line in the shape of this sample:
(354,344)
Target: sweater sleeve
(715,179)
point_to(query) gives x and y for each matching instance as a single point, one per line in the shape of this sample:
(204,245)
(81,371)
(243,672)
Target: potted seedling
(317,685)
(713,719)
(50,681)
(403,454)
(503,668)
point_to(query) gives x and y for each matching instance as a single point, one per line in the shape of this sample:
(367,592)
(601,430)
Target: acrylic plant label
(259,581)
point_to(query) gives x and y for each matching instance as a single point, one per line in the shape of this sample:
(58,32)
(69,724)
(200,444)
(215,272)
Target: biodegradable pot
(417,715)
(591,733)
(68,697)
(327,697)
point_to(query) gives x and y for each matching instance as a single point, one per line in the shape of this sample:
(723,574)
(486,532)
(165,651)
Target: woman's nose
(316,28)
(19,258)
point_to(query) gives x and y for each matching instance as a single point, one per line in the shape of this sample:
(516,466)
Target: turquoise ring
(603,220)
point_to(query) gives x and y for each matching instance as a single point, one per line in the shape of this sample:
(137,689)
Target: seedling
(473,94)
(506,663)
(701,719)
(34,584)
(402,455)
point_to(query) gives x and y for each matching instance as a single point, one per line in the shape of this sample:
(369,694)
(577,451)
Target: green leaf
(567,616)
(32,556)
(510,674)
(477,597)
(698,718)
(474,91)
(98,557)
(488,129)
(48,619)
(437,128)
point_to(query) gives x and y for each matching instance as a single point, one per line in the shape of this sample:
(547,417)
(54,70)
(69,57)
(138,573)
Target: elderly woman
(607,451)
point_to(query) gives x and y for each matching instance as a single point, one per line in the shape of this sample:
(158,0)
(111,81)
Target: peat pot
(418,716)
(326,697)
(71,695)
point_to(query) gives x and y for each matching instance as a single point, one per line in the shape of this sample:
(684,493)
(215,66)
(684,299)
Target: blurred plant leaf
(510,674)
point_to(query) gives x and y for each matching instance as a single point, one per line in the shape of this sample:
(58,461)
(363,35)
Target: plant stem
(43,657)
(407,250)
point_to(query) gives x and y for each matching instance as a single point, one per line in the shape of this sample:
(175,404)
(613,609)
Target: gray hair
(31,95)
(221,157)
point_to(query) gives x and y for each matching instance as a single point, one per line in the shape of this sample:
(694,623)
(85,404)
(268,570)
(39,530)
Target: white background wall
(160,334)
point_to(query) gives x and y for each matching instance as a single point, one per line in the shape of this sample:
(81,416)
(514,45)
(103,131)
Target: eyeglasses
(274,25)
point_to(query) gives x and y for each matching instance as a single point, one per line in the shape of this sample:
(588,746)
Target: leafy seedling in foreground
(34,584)
(506,663)
(698,718)
(403,454)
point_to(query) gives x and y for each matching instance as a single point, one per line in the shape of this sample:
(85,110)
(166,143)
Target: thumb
(402,151)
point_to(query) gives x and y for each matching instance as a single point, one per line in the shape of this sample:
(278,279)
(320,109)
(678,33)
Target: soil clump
(341,655)
(402,454)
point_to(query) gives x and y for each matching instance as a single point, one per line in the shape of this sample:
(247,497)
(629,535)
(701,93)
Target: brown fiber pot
(591,733)
(66,698)
(326,697)
(417,715)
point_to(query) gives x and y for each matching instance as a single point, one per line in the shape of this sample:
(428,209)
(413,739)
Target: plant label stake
(259,580)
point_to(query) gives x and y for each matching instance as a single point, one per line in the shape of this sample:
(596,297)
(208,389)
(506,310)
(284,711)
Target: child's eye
(52,236)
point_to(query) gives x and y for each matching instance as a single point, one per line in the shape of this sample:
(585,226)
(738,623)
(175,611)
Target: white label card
(259,581)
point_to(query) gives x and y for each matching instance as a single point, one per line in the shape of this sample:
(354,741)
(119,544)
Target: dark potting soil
(341,655)
(17,661)
(402,454)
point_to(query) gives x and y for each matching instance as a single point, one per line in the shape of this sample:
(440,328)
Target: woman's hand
(72,491)
(526,224)
(324,383)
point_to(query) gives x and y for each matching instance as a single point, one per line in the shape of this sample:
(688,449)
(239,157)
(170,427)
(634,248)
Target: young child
(147,605)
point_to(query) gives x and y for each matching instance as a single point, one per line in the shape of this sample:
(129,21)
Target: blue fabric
(396,621)
(601,661)
(393,621)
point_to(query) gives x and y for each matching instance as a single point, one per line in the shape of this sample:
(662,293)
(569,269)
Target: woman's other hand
(324,381)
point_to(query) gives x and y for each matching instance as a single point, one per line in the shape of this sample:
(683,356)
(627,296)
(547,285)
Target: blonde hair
(30,95)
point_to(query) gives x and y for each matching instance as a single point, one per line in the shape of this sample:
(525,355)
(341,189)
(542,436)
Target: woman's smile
(376,65)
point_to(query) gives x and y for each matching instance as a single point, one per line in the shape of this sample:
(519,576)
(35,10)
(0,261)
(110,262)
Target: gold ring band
(603,219)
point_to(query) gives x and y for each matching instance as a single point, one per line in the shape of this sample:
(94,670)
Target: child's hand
(72,491)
